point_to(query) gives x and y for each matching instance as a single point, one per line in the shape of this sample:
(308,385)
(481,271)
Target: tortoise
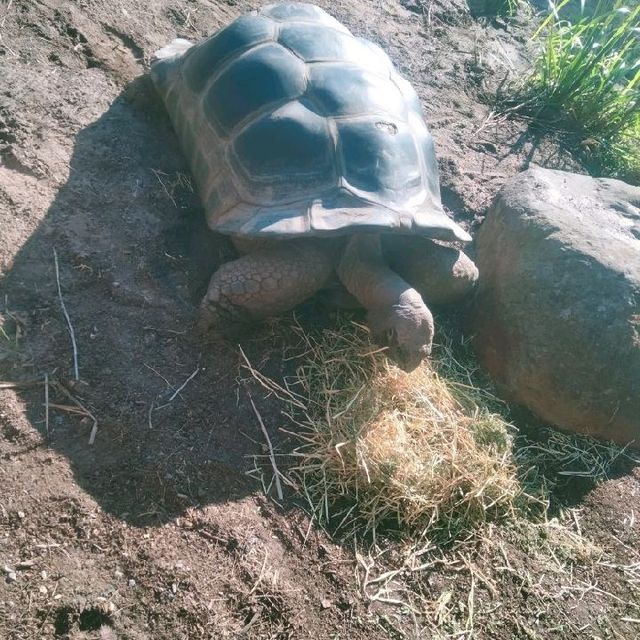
(310,150)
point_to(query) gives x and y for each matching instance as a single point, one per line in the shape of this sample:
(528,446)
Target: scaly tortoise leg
(263,284)
(442,275)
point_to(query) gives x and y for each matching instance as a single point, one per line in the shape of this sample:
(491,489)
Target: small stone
(326,603)
(7,569)
(43,590)
(174,587)
(21,514)
(43,575)
(132,582)
(12,576)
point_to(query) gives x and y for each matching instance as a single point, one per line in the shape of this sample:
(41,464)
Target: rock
(557,312)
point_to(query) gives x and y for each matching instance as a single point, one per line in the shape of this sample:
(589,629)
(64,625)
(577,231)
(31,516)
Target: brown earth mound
(155,531)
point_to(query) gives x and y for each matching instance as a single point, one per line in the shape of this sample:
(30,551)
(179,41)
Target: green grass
(587,80)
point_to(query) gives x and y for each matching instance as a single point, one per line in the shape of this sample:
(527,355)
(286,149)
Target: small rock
(12,576)
(132,582)
(7,569)
(43,575)
(174,587)
(21,515)
(326,603)
(43,590)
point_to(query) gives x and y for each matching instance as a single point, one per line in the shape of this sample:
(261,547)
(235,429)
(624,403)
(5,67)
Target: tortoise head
(406,327)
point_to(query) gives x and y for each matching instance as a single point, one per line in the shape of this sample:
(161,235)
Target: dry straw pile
(421,451)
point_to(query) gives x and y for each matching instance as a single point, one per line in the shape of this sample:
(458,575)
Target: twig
(270,385)
(183,385)
(94,428)
(259,580)
(272,457)
(154,407)
(46,404)
(7,384)
(157,173)
(66,315)
(68,408)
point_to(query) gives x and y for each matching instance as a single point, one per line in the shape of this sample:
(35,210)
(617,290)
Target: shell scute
(287,153)
(301,12)
(203,60)
(381,160)
(353,90)
(316,43)
(261,77)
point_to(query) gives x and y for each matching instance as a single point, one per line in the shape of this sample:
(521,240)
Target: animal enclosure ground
(156,531)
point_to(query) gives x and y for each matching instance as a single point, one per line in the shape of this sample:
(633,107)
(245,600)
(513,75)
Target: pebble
(43,590)
(132,582)
(12,576)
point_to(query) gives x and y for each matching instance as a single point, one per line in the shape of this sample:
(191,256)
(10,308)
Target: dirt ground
(156,531)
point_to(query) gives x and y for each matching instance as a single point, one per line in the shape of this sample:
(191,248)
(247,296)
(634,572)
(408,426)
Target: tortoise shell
(294,126)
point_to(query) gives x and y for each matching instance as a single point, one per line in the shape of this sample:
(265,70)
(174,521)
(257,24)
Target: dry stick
(19,385)
(270,385)
(183,385)
(66,315)
(153,406)
(94,428)
(272,457)
(46,403)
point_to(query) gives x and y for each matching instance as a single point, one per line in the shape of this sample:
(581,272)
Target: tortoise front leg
(396,314)
(263,284)
(442,275)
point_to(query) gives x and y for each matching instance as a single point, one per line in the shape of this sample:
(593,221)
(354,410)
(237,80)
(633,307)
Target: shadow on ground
(135,257)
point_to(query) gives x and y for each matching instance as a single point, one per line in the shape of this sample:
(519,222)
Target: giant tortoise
(311,152)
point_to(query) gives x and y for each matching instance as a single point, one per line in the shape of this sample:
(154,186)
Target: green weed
(587,80)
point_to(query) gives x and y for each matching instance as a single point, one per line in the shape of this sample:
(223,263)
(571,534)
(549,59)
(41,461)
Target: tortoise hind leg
(266,283)
(442,275)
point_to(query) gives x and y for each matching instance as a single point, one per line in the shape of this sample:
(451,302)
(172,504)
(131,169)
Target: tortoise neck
(366,275)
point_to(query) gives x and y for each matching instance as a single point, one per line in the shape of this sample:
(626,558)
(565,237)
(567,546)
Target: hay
(382,448)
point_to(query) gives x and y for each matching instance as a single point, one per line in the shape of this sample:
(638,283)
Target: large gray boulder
(557,313)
